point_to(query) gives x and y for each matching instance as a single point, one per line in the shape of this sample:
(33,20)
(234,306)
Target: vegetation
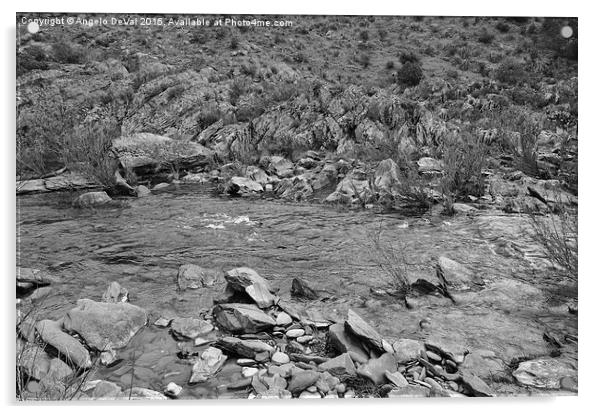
(409,75)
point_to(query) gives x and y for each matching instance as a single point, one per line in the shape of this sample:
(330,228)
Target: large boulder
(455,275)
(190,328)
(244,279)
(209,363)
(544,372)
(37,364)
(65,181)
(242,318)
(280,166)
(147,154)
(92,199)
(246,348)
(67,346)
(105,326)
(407,350)
(345,342)
(341,365)
(376,368)
(191,276)
(243,186)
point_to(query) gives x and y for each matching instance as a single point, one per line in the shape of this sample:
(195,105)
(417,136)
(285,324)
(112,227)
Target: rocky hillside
(387,111)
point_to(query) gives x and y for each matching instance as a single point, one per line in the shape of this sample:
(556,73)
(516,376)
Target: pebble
(307,394)
(280,358)
(201,341)
(172,389)
(340,388)
(248,372)
(350,394)
(245,362)
(388,347)
(262,356)
(304,339)
(313,388)
(434,384)
(283,319)
(162,322)
(295,333)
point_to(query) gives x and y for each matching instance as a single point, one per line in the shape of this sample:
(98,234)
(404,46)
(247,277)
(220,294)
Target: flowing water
(142,243)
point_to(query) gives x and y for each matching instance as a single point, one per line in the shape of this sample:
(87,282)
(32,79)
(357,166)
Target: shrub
(408,57)
(393,261)
(237,89)
(485,37)
(390,65)
(463,163)
(519,132)
(208,116)
(65,53)
(234,42)
(558,238)
(364,36)
(511,72)
(364,60)
(409,75)
(502,27)
(32,58)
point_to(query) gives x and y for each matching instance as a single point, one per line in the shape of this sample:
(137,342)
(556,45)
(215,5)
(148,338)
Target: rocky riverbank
(269,347)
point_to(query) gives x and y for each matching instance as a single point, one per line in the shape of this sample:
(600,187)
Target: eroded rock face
(105,325)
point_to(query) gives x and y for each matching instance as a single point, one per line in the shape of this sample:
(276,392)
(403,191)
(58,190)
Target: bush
(32,58)
(463,163)
(390,65)
(65,53)
(485,37)
(409,75)
(393,261)
(519,132)
(502,27)
(364,36)
(511,72)
(364,60)
(408,57)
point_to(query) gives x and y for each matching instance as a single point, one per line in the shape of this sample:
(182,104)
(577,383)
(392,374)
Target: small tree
(409,75)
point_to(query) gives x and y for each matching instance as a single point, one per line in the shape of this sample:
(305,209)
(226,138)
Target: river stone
(376,368)
(67,346)
(247,348)
(301,380)
(209,363)
(280,358)
(396,378)
(37,364)
(142,191)
(190,328)
(243,185)
(280,166)
(342,341)
(407,350)
(447,349)
(485,364)
(105,325)
(191,276)
(105,390)
(295,333)
(415,391)
(283,319)
(242,318)
(29,278)
(244,279)
(427,165)
(115,293)
(91,199)
(172,390)
(360,328)
(543,373)
(301,289)
(138,393)
(476,386)
(341,365)
(248,372)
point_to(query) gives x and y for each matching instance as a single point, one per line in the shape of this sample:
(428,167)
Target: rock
(396,378)
(191,276)
(476,386)
(569,384)
(243,186)
(67,346)
(108,357)
(456,275)
(376,368)
(280,358)
(280,166)
(301,289)
(41,294)
(161,186)
(115,293)
(247,348)
(245,362)
(248,372)
(350,190)
(415,391)
(342,341)
(341,365)
(428,165)
(28,279)
(307,394)
(543,373)
(387,177)
(459,208)
(190,328)
(143,191)
(295,333)
(433,357)
(105,390)
(446,349)
(283,319)
(305,339)
(244,279)
(485,364)
(209,363)
(365,332)
(172,390)
(162,322)
(242,318)
(92,199)
(37,364)
(257,174)
(275,394)
(62,182)
(301,380)
(105,325)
